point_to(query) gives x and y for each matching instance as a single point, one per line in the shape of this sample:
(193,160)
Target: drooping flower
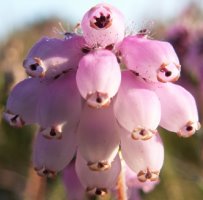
(145,158)
(21,107)
(178,107)
(136,107)
(51,156)
(92,112)
(98,77)
(51,56)
(151,59)
(97,131)
(59,103)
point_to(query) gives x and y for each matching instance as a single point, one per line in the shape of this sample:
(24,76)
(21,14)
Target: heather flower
(21,107)
(136,107)
(51,156)
(180,115)
(98,131)
(59,103)
(103,26)
(151,59)
(51,56)
(92,112)
(140,156)
(98,77)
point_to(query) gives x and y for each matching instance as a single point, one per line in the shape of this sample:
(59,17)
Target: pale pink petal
(52,56)
(97,182)
(98,140)
(103,25)
(60,102)
(178,107)
(135,194)
(73,187)
(51,156)
(22,102)
(98,77)
(145,158)
(137,108)
(151,59)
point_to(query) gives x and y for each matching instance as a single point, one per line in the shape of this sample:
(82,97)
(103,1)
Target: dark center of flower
(53,132)
(100,165)
(142,132)
(102,21)
(99,99)
(98,191)
(101,191)
(189,128)
(45,172)
(148,175)
(13,119)
(168,73)
(33,67)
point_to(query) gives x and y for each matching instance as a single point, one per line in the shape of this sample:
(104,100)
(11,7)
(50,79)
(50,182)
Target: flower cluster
(90,110)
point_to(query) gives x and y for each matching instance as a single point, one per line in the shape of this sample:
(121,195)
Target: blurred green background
(182,173)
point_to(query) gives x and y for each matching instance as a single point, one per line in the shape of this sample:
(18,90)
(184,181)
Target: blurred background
(23,22)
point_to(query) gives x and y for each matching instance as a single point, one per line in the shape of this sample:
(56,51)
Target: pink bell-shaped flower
(98,77)
(60,103)
(98,140)
(22,102)
(145,158)
(152,59)
(51,156)
(103,25)
(137,108)
(52,56)
(178,109)
(97,182)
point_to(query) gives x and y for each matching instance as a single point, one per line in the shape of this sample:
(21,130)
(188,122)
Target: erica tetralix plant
(91,113)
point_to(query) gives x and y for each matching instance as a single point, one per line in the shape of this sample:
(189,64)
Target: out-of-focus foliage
(181,176)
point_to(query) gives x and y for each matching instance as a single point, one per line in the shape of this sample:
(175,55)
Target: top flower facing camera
(102,26)
(87,107)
